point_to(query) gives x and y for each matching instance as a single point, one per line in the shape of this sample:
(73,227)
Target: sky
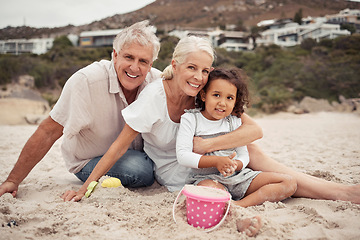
(59,13)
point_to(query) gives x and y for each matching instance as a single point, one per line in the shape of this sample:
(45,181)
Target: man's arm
(34,150)
(248,132)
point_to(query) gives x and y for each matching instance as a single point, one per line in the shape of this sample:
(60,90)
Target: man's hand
(8,187)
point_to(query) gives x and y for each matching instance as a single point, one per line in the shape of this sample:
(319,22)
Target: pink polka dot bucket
(205,207)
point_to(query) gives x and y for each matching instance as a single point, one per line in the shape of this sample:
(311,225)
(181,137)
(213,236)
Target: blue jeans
(134,169)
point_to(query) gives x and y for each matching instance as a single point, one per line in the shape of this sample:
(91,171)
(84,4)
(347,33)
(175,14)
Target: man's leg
(134,169)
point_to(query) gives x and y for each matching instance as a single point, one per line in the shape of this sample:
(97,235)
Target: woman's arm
(116,151)
(248,132)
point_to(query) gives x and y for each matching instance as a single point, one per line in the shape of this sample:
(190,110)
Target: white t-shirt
(192,124)
(149,116)
(89,109)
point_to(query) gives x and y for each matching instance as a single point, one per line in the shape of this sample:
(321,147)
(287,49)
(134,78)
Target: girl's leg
(268,186)
(308,186)
(211,183)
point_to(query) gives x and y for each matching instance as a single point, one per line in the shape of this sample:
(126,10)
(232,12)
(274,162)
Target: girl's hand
(73,196)
(226,165)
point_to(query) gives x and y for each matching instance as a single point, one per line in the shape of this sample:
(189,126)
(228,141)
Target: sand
(325,145)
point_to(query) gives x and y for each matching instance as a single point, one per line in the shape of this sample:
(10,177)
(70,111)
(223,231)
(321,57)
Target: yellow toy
(111,182)
(91,188)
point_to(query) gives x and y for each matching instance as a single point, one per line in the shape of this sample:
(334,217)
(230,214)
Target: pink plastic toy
(205,206)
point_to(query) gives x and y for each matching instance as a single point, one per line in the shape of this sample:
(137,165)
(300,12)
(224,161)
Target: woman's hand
(73,196)
(200,145)
(226,165)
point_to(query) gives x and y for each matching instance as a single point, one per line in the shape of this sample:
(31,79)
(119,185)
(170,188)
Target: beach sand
(326,145)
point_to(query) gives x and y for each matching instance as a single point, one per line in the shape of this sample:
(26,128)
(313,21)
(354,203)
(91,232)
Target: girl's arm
(248,132)
(187,158)
(225,165)
(116,150)
(242,157)
(184,144)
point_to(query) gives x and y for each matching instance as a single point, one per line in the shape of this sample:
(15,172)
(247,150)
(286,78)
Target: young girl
(221,104)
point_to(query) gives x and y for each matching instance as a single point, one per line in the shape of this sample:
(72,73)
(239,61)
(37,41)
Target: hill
(169,14)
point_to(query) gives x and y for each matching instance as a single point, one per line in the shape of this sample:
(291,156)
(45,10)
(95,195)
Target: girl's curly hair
(239,79)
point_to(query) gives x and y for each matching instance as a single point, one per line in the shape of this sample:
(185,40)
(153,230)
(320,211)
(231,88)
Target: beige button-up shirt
(89,109)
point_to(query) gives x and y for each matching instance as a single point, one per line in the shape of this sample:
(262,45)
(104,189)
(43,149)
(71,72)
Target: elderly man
(88,114)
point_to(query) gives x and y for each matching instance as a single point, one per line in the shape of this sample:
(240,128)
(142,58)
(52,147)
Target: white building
(229,40)
(292,34)
(345,16)
(19,46)
(286,36)
(321,31)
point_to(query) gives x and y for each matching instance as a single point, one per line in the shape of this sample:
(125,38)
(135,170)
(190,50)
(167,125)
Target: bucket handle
(208,229)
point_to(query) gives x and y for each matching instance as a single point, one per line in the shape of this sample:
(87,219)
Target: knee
(134,169)
(212,184)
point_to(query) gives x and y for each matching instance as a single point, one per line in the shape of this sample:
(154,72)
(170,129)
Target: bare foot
(250,226)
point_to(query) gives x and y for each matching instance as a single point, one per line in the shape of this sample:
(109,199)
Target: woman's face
(192,75)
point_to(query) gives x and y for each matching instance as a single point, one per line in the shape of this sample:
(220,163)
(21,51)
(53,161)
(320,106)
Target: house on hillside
(319,31)
(183,32)
(286,36)
(292,34)
(229,40)
(234,41)
(346,16)
(99,38)
(19,46)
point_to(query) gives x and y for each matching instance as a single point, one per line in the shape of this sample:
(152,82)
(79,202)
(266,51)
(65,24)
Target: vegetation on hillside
(278,76)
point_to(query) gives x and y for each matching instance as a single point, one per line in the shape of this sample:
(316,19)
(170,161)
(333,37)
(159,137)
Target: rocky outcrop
(309,104)
(20,104)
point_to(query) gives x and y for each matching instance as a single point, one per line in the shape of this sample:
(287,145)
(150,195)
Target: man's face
(132,64)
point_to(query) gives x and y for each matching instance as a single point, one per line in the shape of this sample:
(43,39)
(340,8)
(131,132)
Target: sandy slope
(326,145)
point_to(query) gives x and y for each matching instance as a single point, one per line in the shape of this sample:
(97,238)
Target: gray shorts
(236,184)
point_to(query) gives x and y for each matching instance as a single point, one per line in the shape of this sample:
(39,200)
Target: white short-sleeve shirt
(89,109)
(149,116)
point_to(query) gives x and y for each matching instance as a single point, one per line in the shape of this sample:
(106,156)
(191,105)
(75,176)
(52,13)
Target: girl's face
(192,75)
(219,99)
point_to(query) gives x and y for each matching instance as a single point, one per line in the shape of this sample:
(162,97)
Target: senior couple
(104,106)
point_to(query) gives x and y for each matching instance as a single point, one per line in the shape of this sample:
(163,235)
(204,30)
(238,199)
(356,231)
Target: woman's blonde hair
(140,32)
(186,46)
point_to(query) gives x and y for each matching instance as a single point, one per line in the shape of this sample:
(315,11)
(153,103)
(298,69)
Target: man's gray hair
(140,32)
